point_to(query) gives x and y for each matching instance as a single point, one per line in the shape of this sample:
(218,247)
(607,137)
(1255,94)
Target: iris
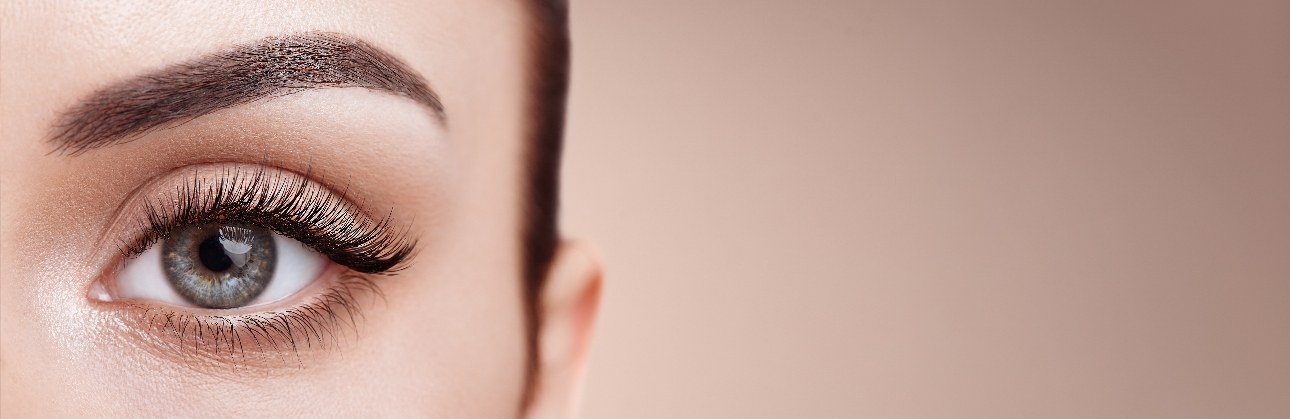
(219,266)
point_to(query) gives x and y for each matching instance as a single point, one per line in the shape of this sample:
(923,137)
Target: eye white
(297,266)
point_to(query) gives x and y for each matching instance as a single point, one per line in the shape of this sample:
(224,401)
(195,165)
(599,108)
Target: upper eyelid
(358,240)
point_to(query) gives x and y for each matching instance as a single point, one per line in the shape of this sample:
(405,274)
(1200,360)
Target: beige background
(935,209)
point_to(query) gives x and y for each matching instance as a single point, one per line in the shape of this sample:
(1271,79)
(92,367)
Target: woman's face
(304,209)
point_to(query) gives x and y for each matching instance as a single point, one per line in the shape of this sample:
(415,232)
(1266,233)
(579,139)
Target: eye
(241,263)
(220,266)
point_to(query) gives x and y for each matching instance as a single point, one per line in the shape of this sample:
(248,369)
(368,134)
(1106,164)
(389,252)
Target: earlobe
(569,301)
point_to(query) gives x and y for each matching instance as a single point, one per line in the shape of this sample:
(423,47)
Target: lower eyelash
(320,323)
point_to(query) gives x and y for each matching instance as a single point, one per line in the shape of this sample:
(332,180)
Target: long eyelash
(290,205)
(316,325)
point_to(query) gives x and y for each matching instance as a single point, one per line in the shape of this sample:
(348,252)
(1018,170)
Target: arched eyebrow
(273,66)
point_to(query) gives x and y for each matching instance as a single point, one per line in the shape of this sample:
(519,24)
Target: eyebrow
(273,66)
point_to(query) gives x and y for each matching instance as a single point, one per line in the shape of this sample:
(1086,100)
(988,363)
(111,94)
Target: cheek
(454,336)
(476,310)
(453,328)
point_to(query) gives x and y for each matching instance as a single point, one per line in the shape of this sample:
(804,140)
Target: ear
(569,302)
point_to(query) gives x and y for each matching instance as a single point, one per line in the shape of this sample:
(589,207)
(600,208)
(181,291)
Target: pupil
(211,252)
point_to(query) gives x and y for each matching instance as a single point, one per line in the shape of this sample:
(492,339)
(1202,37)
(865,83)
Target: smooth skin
(447,339)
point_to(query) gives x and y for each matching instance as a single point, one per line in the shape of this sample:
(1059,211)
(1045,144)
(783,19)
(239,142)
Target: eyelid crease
(285,202)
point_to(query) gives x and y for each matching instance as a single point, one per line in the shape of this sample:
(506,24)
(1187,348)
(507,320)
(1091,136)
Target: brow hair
(273,66)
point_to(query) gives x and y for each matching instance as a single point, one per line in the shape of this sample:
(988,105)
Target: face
(214,209)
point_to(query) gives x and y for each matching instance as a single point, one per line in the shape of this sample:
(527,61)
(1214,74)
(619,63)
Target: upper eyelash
(290,205)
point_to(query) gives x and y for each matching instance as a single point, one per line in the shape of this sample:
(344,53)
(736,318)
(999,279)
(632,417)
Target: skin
(447,339)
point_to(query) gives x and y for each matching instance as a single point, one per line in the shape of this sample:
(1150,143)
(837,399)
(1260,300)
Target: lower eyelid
(325,321)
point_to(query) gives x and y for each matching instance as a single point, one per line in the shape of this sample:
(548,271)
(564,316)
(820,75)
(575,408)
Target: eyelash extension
(316,324)
(290,205)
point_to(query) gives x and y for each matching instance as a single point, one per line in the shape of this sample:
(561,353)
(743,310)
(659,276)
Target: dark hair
(548,82)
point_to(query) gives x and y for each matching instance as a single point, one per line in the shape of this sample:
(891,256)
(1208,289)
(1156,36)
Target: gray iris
(219,266)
